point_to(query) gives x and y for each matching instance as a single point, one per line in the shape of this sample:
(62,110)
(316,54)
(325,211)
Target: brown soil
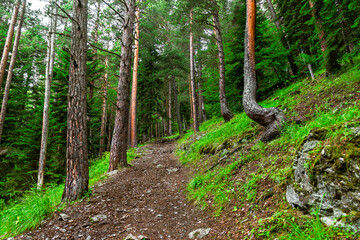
(147,199)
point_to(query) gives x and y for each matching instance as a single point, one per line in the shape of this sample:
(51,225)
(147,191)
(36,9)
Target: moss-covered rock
(329,179)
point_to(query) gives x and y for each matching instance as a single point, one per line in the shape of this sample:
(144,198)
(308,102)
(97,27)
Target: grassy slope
(28,212)
(248,184)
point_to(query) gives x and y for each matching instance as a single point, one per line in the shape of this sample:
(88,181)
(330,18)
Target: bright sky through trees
(37,4)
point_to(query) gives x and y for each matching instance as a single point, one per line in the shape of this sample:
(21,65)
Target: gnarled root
(273,128)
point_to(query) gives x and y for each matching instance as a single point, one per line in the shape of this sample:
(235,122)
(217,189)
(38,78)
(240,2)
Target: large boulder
(327,178)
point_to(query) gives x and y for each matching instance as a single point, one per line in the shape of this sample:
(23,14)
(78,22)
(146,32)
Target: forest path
(146,199)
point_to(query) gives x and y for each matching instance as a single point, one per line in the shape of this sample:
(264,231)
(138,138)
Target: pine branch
(104,50)
(116,11)
(68,15)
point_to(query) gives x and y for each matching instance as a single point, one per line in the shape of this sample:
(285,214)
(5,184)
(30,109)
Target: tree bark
(120,135)
(293,66)
(225,111)
(77,169)
(271,118)
(177,107)
(11,70)
(192,77)
(48,79)
(103,114)
(8,42)
(133,127)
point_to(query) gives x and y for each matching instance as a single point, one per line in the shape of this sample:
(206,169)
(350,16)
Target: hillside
(245,181)
(241,184)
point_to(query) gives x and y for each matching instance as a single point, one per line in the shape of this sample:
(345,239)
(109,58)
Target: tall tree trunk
(202,114)
(225,111)
(11,70)
(191,101)
(91,83)
(133,126)
(48,79)
(271,118)
(108,147)
(170,109)
(156,129)
(8,42)
(330,55)
(120,135)
(103,114)
(293,66)
(77,168)
(177,107)
(96,40)
(192,77)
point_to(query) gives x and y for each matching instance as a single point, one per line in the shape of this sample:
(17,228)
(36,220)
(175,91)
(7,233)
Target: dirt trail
(146,199)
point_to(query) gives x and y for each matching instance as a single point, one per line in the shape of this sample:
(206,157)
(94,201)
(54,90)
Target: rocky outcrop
(327,178)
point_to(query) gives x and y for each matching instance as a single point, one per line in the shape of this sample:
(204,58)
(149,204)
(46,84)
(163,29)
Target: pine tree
(77,177)
(8,42)
(271,118)
(48,80)
(118,155)
(11,69)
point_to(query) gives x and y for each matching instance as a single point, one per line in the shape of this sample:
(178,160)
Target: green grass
(217,187)
(35,206)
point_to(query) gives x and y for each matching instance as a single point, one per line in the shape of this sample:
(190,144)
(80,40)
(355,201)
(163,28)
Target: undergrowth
(35,206)
(235,182)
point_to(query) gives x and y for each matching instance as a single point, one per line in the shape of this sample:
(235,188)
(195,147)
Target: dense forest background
(293,39)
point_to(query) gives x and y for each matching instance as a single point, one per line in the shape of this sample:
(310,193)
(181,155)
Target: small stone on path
(172,170)
(64,217)
(98,218)
(112,173)
(199,233)
(132,237)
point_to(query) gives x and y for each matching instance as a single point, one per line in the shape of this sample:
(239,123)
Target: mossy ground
(243,181)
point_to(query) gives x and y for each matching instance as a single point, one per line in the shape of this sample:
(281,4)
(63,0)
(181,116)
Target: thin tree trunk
(133,133)
(201,97)
(120,136)
(330,55)
(166,104)
(156,130)
(170,110)
(96,39)
(77,168)
(192,77)
(309,67)
(293,66)
(11,70)
(271,118)
(202,115)
(191,101)
(225,111)
(92,80)
(8,42)
(48,80)
(177,107)
(103,115)
(110,129)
